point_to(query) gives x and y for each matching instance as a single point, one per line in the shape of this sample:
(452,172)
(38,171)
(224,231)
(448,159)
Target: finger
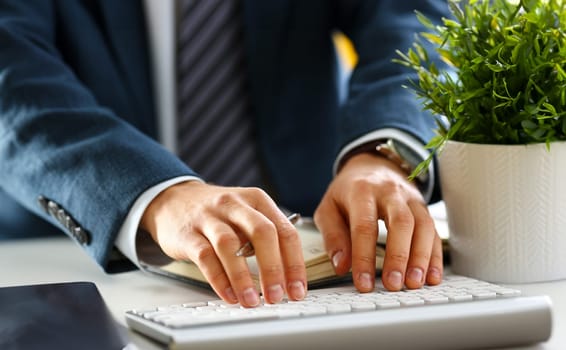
(202,253)
(436,267)
(330,222)
(263,235)
(400,224)
(421,245)
(291,252)
(363,229)
(225,242)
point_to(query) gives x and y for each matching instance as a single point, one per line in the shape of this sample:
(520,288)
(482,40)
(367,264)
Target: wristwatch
(403,156)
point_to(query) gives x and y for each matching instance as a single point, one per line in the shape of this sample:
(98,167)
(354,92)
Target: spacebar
(188,321)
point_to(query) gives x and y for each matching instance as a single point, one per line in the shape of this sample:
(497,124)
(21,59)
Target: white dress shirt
(161,20)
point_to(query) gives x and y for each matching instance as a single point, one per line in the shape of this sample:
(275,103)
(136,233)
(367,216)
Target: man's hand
(207,224)
(368,188)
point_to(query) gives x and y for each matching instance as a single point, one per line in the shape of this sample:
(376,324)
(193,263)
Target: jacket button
(81,235)
(70,224)
(42,201)
(61,216)
(52,208)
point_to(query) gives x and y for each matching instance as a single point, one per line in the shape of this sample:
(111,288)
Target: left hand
(368,188)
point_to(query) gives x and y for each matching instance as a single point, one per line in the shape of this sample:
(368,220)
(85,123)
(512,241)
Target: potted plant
(500,107)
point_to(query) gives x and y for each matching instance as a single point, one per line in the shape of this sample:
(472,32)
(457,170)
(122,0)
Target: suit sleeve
(376,96)
(62,155)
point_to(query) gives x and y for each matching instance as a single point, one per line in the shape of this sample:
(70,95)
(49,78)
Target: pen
(248,249)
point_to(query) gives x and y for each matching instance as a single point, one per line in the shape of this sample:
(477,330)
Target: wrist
(158,208)
(402,157)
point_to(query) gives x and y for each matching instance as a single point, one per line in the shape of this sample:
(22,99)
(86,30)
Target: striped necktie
(215,129)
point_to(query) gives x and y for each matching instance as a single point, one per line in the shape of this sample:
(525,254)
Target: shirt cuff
(399,136)
(126,239)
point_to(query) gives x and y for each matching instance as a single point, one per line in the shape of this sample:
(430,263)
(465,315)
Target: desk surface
(51,260)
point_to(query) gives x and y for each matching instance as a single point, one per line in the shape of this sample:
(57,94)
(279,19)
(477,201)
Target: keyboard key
(326,319)
(454,289)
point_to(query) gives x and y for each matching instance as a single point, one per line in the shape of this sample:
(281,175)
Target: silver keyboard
(469,311)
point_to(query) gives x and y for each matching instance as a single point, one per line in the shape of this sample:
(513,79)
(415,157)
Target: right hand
(368,188)
(207,224)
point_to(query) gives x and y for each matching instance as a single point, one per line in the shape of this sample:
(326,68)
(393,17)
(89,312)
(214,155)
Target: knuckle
(239,276)
(294,269)
(396,185)
(226,239)
(272,270)
(398,257)
(263,230)
(362,186)
(424,221)
(365,227)
(225,199)
(421,256)
(217,278)
(289,234)
(364,259)
(392,188)
(404,220)
(361,183)
(256,192)
(203,253)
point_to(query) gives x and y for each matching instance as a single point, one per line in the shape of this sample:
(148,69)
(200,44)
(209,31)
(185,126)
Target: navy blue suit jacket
(78,123)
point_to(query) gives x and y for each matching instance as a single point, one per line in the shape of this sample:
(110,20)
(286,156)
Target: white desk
(60,260)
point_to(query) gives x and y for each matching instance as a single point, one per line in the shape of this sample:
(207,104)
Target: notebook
(320,271)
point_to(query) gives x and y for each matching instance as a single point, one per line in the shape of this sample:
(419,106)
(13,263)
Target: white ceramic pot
(506,210)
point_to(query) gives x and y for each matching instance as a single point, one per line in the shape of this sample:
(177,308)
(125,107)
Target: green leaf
(424,20)
(456,11)
(550,108)
(432,38)
(528,124)
(413,57)
(496,71)
(497,67)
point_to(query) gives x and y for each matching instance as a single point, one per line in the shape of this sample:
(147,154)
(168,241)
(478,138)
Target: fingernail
(415,274)
(275,293)
(434,273)
(297,290)
(395,279)
(250,297)
(366,282)
(230,294)
(336,258)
